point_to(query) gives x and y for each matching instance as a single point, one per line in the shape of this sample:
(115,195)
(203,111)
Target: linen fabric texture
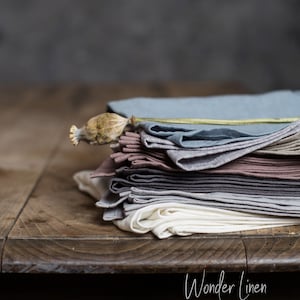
(181,179)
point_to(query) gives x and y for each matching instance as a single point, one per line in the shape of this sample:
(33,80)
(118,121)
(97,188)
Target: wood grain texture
(51,227)
(123,255)
(56,208)
(276,231)
(30,128)
(33,121)
(26,128)
(273,254)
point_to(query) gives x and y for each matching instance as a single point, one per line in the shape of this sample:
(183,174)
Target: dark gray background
(254,41)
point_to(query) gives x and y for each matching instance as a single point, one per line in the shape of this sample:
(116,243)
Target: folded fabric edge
(97,187)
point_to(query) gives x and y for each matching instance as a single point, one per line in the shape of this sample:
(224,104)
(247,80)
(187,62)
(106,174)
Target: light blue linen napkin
(277,104)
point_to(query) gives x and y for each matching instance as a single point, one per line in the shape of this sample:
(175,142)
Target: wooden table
(48,226)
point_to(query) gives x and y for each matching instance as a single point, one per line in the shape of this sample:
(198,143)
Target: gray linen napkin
(202,183)
(195,160)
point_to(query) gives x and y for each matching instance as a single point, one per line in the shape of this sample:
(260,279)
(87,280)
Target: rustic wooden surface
(48,226)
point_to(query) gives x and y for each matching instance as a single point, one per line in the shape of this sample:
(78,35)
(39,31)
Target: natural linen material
(279,104)
(285,146)
(167,219)
(132,153)
(180,179)
(96,187)
(202,158)
(136,198)
(195,160)
(202,183)
(268,205)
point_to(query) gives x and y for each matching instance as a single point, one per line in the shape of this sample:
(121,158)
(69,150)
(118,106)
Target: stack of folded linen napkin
(180,179)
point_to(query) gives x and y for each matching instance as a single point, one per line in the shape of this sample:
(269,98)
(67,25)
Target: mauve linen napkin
(132,153)
(250,165)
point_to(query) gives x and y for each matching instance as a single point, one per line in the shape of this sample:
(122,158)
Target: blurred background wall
(256,42)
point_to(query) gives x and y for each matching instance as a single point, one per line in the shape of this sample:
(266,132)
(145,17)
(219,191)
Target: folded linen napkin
(137,198)
(145,186)
(253,166)
(146,178)
(202,159)
(131,152)
(278,104)
(289,146)
(167,219)
(286,146)
(207,157)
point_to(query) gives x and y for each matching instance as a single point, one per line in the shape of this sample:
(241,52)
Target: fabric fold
(168,219)
(276,104)
(180,179)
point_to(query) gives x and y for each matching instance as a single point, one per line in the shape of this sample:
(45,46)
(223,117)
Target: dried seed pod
(101,129)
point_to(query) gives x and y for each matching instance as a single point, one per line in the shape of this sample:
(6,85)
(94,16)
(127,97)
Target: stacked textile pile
(177,179)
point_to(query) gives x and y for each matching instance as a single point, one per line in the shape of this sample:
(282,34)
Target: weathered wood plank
(123,255)
(273,254)
(33,120)
(24,148)
(8,112)
(56,207)
(45,114)
(276,231)
(30,130)
(56,210)
(60,230)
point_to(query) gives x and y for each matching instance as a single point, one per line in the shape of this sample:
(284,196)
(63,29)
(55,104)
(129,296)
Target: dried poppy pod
(101,129)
